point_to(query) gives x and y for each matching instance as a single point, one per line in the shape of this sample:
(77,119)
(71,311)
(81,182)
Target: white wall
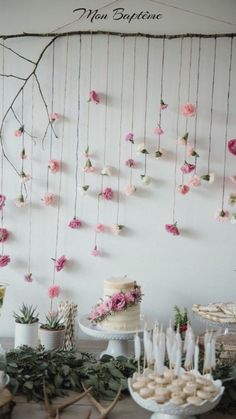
(198,266)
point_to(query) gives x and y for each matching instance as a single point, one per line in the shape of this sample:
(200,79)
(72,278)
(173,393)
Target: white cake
(123,297)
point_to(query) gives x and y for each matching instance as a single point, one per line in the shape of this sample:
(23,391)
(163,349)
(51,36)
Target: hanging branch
(16,53)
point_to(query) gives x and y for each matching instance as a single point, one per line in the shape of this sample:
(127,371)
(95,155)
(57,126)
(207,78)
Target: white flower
(116,229)
(146,179)
(233,218)
(106,171)
(141,149)
(24,178)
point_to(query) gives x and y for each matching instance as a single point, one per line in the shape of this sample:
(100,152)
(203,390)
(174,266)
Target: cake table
(117,340)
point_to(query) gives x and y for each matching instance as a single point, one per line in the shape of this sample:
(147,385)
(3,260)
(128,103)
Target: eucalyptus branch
(12,75)
(16,53)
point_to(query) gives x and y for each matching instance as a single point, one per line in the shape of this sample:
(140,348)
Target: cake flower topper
(116,303)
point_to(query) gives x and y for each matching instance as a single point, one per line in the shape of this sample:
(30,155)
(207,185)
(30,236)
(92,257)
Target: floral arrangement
(116,303)
(181,319)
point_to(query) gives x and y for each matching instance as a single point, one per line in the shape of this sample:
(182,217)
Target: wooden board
(6,404)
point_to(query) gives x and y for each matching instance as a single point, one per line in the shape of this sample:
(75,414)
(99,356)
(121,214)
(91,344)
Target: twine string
(77,131)
(197,100)
(211,112)
(132,110)
(146,102)
(161,91)
(2,156)
(31,182)
(88,108)
(52,109)
(188,99)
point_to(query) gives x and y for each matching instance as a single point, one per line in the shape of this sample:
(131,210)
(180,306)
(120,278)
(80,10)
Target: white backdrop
(198,266)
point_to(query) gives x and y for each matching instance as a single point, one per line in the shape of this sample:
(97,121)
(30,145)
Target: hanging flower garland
(172,228)
(142,149)
(129,138)
(162,106)
(210,177)
(222,214)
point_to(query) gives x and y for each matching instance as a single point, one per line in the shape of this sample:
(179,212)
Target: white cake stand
(211,324)
(117,340)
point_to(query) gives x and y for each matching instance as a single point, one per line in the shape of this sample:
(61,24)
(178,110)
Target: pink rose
(54,165)
(195,181)
(222,215)
(130,137)
(95,252)
(93,97)
(129,297)
(49,199)
(4,234)
(130,163)
(107,194)
(54,291)
(187,167)
(2,201)
(54,116)
(99,228)
(183,189)
(232,146)
(129,190)
(158,130)
(60,263)
(4,260)
(118,301)
(163,105)
(75,223)
(88,167)
(188,109)
(28,277)
(19,132)
(172,229)
(101,310)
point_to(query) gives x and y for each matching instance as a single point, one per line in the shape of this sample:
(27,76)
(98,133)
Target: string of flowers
(172,228)
(162,106)
(105,193)
(76,223)
(59,263)
(4,233)
(117,228)
(195,180)
(210,177)
(129,138)
(222,214)
(142,147)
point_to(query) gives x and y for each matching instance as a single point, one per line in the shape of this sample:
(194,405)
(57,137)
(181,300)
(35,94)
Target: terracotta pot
(51,339)
(26,334)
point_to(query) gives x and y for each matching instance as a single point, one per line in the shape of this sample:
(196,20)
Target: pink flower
(130,137)
(54,116)
(183,189)
(158,130)
(129,190)
(24,177)
(20,202)
(95,252)
(222,215)
(4,260)
(19,131)
(54,291)
(60,263)
(183,140)
(187,167)
(118,301)
(130,163)
(194,181)
(116,229)
(88,167)
(28,277)
(99,228)
(191,152)
(163,105)
(188,109)
(172,229)
(4,234)
(23,155)
(54,165)
(233,179)
(49,199)
(129,297)
(93,97)
(107,303)
(101,310)
(2,201)
(75,223)
(107,194)
(232,146)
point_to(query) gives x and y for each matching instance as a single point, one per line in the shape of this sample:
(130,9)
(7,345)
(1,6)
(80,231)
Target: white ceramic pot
(26,334)
(51,339)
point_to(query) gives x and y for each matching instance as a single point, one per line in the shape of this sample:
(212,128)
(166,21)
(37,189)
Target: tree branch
(21,123)
(16,53)
(12,75)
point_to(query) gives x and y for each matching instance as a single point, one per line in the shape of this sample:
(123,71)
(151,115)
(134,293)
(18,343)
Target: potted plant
(26,326)
(52,332)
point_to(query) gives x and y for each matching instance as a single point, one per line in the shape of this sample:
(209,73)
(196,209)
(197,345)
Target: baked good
(119,309)
(218,312)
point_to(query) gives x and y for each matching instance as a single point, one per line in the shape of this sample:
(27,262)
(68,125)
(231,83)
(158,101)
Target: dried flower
(95,252)
(28,277)
(99,228)
(232,146)
(191,152)
(54,116)
(232,199)
(93,97)
(194,181)
(222,215)
(233,218)
(106,171)
(233,179)
(88,167)
(84,189)
(19,131)
(183,189)
(163,105)
(2,201)
(130,137)
(20,202)
(54,291)
(4,234)
(4,260)
(24,177)
(146,179)
(209,177)
(187,167)
(23,155)
(172,229)
(129,190)
(158,154)
(60,263)
(75,223)
(188,109)
(130,163)
(116,229)
(54,165)
(107,194)
(141,149)
(184,139)
(49,199)
(158,130)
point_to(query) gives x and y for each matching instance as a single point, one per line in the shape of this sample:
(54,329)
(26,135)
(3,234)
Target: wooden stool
(6,404)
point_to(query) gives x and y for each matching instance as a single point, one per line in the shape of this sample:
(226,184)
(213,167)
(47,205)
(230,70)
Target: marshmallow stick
(137,350)
(207,353)
(170,344)
(188,364)
(178,360)
(145,338)
(196,355)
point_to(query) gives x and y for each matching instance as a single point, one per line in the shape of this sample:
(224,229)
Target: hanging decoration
(162,106)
